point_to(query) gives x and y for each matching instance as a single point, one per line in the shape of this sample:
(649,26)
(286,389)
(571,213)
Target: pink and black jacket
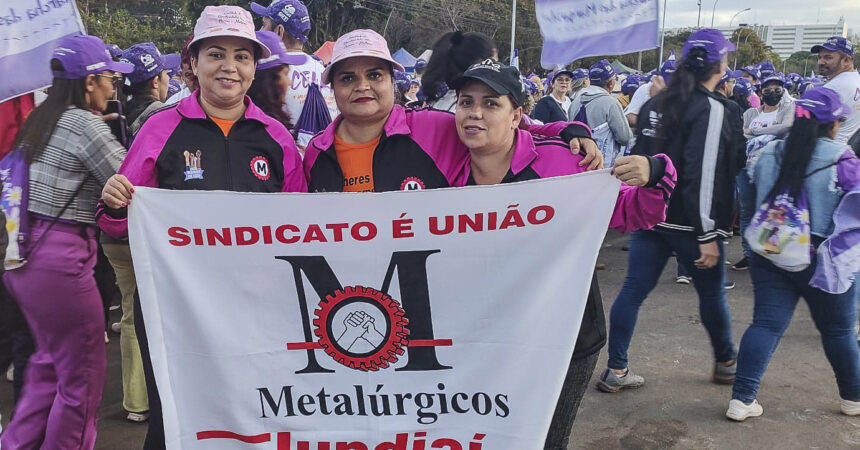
(419,149)
(637,208)
(182,148)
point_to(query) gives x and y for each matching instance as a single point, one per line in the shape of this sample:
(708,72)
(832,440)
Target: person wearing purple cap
(272,81)
(290,20)
(420,68)
(775,116)
(836,64)
(555,105)
(598,108)
(216,138)
(812,162)
(644,93)
(148,83)
(690,123)
(71,153)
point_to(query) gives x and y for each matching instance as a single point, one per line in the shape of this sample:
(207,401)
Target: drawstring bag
(14,201)
(780,231)
(15,176)
(314,117)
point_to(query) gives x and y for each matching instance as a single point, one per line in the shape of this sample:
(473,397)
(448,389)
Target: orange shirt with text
(356,162)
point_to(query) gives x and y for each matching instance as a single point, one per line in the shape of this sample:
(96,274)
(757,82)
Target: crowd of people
(703,152)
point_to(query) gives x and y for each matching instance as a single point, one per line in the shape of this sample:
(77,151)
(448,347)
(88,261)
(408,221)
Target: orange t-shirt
(224,125)
(356,162)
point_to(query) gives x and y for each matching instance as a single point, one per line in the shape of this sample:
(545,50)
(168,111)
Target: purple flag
(29,30)
(574,29)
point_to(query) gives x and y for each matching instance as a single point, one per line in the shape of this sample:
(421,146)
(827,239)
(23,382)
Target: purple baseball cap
(630,84)
(420,63)
(279,54)
(173,87)
(743,87)
(173,62)
(774,77)
(580,73)
(823,103)
(753,71)
(562,72)
(766,69)
(715,44)
(600,72)
(292,14)
(835,44)
(83,55)
(727,75)
(114,50)
(146,59)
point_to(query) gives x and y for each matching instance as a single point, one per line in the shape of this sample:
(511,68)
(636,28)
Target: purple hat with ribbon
(279,54)
(83,55)
(291,14)
(601,72)
(823,103)
(835,44)
(147,61)
(712,41)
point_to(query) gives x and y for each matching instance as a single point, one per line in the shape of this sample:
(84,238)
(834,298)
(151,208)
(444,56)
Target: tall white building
(788,39)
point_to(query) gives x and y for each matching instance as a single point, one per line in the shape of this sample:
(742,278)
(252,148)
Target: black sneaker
(743,264)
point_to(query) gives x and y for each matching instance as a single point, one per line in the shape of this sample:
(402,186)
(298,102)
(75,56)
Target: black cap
(502,79)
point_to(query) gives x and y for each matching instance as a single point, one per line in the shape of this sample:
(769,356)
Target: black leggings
(155,432)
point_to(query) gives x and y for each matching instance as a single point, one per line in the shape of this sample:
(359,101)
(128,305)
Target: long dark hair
(452,54)
(42,121)
(692,71)
(266,93)
(797,152)
(742,100)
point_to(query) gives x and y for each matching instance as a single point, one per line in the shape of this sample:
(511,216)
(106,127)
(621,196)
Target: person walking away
(689,123)
(650,89)
(598,108)
(453,53)
(71,153)
(290,20)
(272,79)
(808,165)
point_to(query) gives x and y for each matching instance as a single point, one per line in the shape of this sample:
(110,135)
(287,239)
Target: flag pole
(662,34)
(513,26)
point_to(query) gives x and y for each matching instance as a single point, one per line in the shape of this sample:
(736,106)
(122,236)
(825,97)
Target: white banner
(438,319)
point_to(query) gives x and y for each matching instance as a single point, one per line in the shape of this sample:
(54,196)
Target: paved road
(678,408)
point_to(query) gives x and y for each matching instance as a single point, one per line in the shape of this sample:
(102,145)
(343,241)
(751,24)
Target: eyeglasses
(774,90)
(116,79)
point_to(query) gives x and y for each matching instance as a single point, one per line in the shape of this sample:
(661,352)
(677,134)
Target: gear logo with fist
(361,328)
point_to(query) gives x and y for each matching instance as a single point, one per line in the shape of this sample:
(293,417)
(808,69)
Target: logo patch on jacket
(260,167)
(193,165)
(412,184)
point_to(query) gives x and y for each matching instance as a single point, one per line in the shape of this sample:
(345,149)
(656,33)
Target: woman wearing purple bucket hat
(809,161)
(71,153)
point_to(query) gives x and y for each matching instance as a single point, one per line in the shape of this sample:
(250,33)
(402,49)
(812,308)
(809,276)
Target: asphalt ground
(678,408)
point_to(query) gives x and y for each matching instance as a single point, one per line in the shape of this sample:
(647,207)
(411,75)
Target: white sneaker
(681,279)
(116,327)
(850,408)
(740,411)
(10,373)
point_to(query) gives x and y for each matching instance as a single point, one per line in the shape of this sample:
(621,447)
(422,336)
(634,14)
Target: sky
(683,13)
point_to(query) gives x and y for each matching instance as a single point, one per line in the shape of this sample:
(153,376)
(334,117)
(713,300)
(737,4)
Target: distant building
(788,39)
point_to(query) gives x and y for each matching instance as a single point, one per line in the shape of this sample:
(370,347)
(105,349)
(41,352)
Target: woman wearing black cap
(554,106)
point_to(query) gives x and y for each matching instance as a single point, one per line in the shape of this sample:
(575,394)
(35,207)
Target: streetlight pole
(699,18)
(513,27)
(713,12)
(738,45)
(736,14)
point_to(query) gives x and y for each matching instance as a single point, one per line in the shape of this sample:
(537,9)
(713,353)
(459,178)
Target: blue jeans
(776,294)
(746,207)
(649,252)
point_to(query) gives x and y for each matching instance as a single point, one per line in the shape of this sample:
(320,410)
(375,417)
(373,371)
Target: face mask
(772,98)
